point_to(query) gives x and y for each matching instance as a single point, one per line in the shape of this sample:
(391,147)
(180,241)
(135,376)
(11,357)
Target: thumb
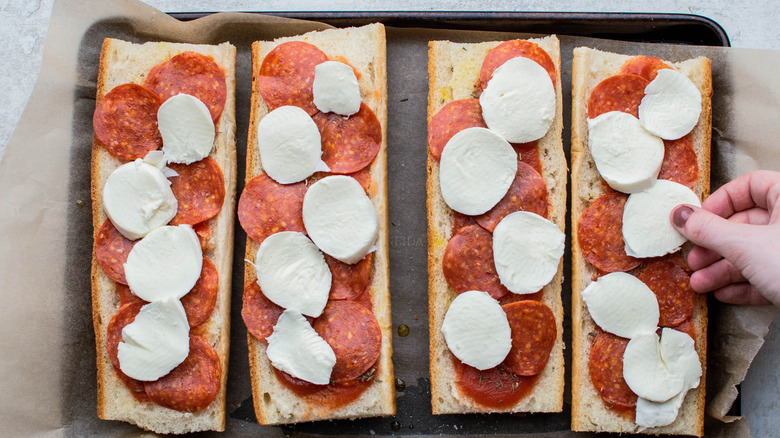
(709,230)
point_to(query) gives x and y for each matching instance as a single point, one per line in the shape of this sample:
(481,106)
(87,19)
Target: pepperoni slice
(126,296)
(267,207)
(287,74)
(349,143)
(200,301)
(194,384)
(259,313)
(600,232)
(125,122)
(514,298)
(606,371)
(533,336)
(451,119)
(672,287)
(644,66)
(461,220)
(468,262)
(680,164)
(528,192)
(496,387)
(512,49)
(194,74)
(111,251)
(124,316)
(353,333)
(349,281)
(332,396)
(687,327)
(203,230)
(529,154)
(199,189)
(617,93)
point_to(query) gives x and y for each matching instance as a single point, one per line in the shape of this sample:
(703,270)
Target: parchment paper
(47,351)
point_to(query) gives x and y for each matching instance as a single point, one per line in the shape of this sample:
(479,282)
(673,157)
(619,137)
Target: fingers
(753,216)
(741,293)
(760,188)
(715,276)
(700,257)
(710,231)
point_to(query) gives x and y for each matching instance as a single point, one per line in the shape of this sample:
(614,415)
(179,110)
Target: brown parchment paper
(47,369)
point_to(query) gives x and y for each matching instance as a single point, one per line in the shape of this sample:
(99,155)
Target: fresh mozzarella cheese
(652,414)
(295,348)
(476,169)
(138,198)
(476,330)
(290,145)
(647,229)
(164,264)
(186,128)
(156,341)
(519,101)
(527,250)
(627,156)
(671,106)
(292,273)
(622,304)
(340,218)
(335,88)
(645,371)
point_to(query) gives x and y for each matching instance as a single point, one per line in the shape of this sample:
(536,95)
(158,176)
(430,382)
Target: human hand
(737,238)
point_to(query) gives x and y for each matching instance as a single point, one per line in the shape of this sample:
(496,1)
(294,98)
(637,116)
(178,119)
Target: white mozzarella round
(292,273)
(622,305)
(186,128)
(647,229)
(476,330)
(165,264)
(156,342)
(295,348)
(477,168)
(289,144)
(645,371)
(671,106)
(137,197)
(627,156)
(340,218)
(527,250)
(335,88)
(652,414)
(519,101)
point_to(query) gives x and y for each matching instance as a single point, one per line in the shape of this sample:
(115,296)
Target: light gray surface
(749,24)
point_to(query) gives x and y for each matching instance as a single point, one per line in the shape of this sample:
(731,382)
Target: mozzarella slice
(292,273)
(290,145)
(476,330)
(156,342)
(652,414)
(335,88)
(186,128)
(164,264)
(671,105)
(527,250)
(138,198)
(627,156)
(622,305)
(645,371)
(295,348)
(340,218)
(647,229)
(476,169)
(519,101)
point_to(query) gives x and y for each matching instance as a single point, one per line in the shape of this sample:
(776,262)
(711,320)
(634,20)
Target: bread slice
(364,49)
(589,413)
(453,72)
(123,62)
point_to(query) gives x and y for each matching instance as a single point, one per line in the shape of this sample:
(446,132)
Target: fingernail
(681,215)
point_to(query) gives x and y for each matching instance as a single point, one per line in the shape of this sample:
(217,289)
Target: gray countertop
(749,24)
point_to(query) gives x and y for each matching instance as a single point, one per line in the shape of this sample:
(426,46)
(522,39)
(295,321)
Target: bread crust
(123,62)
(589,413)
(453,72)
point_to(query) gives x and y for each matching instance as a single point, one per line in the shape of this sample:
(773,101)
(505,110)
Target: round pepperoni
(124,316)
(672,287)
(617,93)
(201,299)
(644,66)
(267,207)
(680,163)
(194,74)
(512,49)
(194,384)
(348,281)
(496,387)
(529,154)
(528,192)
(514,298)
(126,296)
(451,119)
(461,220)
(287,74)
(111,251)
(259,313)
(468,262)
(353,333)
(332,396)
(606,371)
(199,190)
(203,230)
(600,233)
(349,143)
(533,336)
(125,122)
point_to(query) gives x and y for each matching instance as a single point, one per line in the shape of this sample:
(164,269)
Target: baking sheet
(47,370)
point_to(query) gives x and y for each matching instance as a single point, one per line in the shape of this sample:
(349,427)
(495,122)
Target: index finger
(760,188)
